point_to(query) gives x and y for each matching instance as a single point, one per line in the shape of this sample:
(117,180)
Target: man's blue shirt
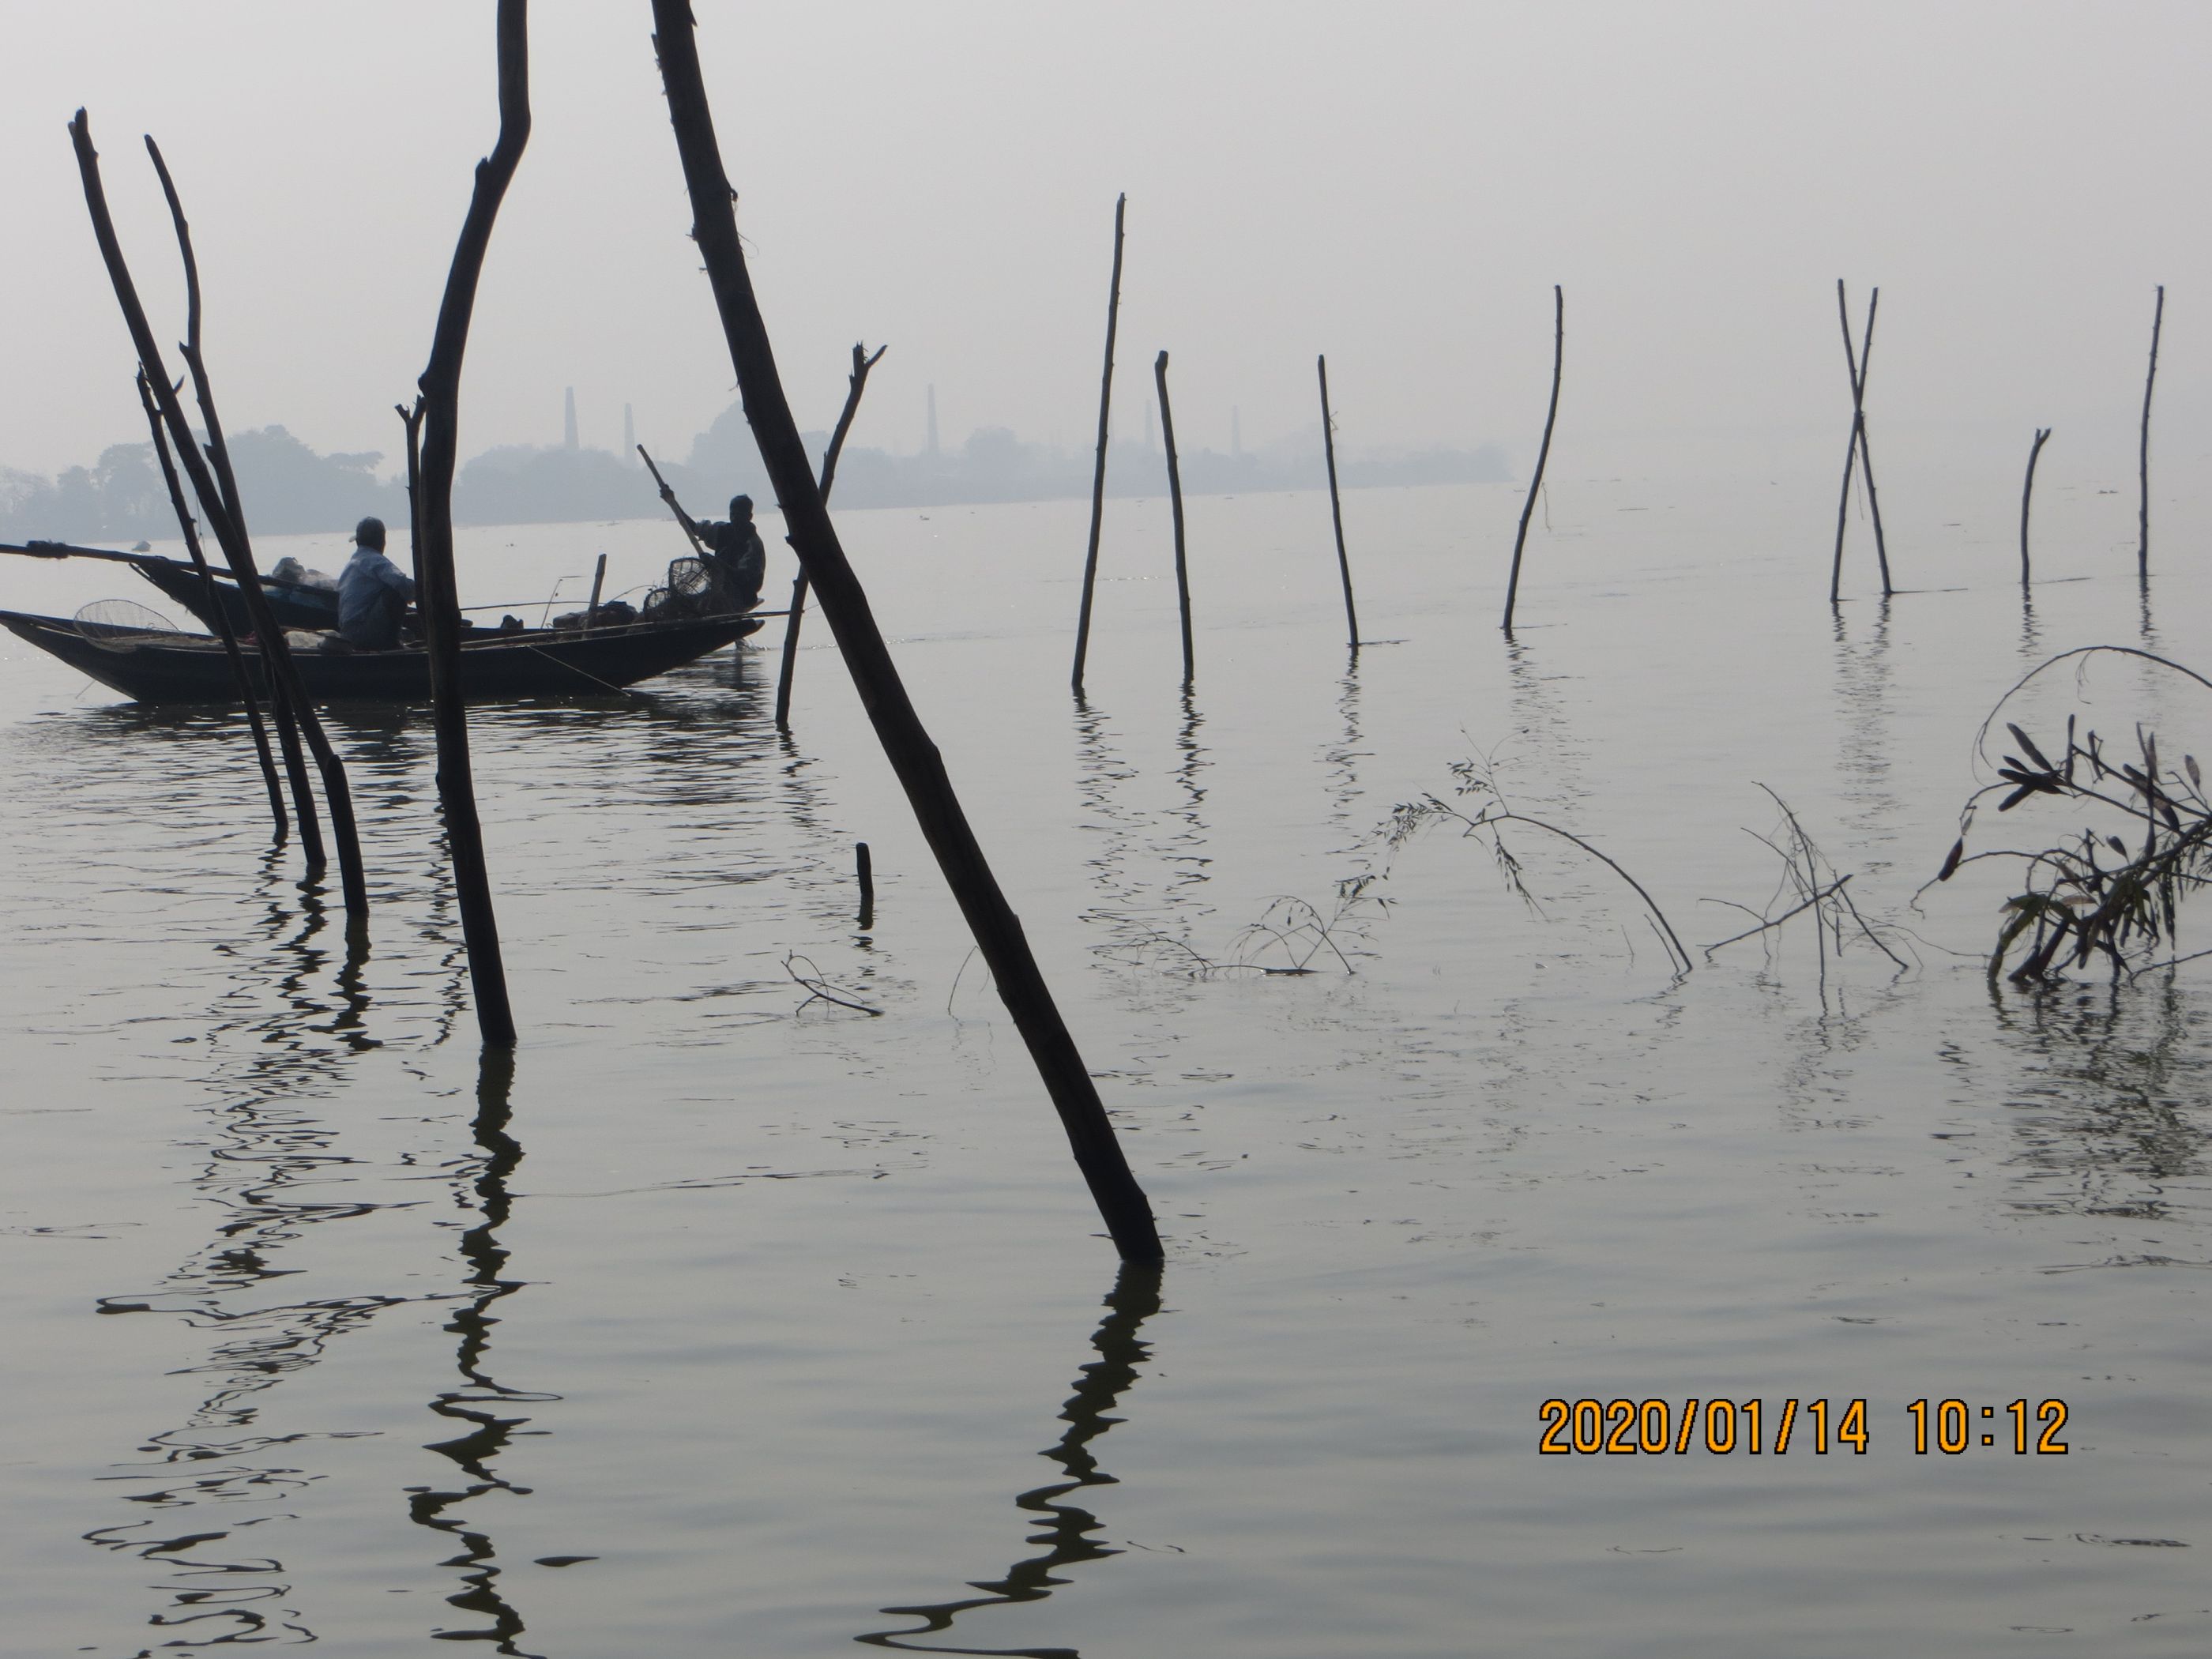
(373,594)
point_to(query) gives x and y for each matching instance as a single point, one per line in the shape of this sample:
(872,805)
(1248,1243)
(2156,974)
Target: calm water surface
(732,1324)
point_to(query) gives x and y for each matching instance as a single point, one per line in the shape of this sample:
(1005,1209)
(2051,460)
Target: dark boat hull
(497,669)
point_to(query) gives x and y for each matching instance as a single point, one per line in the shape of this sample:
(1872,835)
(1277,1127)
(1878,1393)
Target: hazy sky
(1396,184)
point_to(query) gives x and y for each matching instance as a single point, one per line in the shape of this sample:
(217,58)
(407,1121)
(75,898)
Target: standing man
(372,592)
(735,555)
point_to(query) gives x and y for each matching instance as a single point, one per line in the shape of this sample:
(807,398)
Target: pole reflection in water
(481,1401)
(1342,757)
(1188,849)
(270,1173)
(1068,1528)
(1866,754)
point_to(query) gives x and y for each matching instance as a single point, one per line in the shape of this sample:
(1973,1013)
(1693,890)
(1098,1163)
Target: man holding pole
(733,549)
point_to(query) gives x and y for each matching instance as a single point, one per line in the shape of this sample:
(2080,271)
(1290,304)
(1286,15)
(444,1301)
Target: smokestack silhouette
(630,437)
(932,419)
(569,422)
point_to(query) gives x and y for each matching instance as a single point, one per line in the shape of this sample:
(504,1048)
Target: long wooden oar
(696,544)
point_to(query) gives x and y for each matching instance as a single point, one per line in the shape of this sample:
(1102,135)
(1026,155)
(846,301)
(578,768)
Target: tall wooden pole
(2142,509)
(227,526)
(1336,506)
(411,419)
(1098,473)
(223,628)
(913,757)
(1543,450)
(855,384)
(1175,506)
(433,495)
(2027,495)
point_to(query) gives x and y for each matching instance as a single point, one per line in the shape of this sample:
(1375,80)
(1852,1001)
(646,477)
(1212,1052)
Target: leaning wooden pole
(1543,450)
(224,630)
(1336,505)
(440,596)
(1858,361)
(1866,450)
(228,526)
(2027,495)
(913,757)
(1851,451)
(2143,508)
(855,384)
(1098,472)
(289,726)
(1175,506)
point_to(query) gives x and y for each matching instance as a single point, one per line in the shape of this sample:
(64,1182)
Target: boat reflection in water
(1069,1530)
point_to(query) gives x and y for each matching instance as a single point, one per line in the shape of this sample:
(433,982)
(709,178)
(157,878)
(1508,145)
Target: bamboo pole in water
(855,384)
(1543,450)
(223,628)
(2027,495)
(907,744)
(1099,474)
(1174,505)
(220,506)
(1336,506)
(433,493)
(2142,509)
(1858,361)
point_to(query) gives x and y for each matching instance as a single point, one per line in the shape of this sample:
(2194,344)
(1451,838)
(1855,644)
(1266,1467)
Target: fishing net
(125,625)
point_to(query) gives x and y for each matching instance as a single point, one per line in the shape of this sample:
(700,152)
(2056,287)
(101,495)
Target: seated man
(734,552)
(372,592)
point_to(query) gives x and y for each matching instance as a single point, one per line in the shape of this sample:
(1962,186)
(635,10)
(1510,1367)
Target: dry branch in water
(1815,885)
(2113,890)
(820,988)
(1411,817)
(1289,926)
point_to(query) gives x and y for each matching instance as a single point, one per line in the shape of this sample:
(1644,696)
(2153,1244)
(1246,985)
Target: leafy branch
(2112,890)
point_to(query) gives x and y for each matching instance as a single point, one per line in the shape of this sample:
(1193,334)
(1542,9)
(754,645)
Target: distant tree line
(288,488)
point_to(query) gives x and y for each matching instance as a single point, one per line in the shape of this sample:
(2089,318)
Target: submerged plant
(2112,890)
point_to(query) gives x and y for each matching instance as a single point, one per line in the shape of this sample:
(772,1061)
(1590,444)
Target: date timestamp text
(1624,1428)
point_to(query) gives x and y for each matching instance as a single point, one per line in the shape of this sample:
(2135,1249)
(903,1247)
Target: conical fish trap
(691,586)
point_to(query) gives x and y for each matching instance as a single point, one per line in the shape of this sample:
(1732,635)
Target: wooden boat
(296,605)
(175,667)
